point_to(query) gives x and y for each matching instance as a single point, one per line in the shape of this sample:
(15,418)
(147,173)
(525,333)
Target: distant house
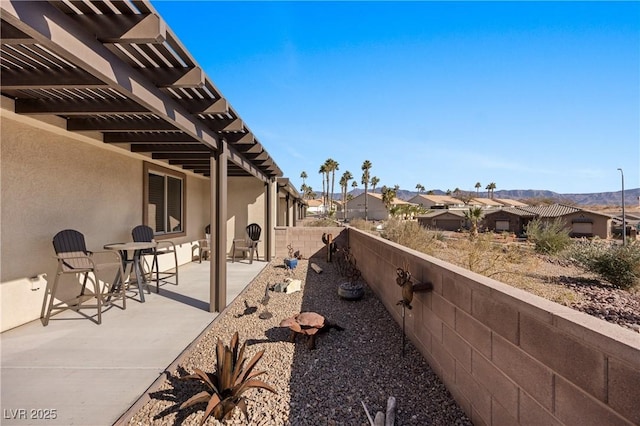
(486,203)
(316,207)
(510,203)
(437,201)
(376,209)
(444,220)
(508,219)
(581,223)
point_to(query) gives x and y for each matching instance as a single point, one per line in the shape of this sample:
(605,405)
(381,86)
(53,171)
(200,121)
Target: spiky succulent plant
(228,382)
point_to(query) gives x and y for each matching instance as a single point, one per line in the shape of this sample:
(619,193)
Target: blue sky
(541,95)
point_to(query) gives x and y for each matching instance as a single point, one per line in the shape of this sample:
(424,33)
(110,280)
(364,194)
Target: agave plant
(228,382)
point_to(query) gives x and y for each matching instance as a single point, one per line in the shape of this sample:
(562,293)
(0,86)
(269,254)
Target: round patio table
(136,264)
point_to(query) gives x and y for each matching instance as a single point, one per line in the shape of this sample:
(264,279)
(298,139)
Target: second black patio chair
(75,260)
(144,233)
(248,244)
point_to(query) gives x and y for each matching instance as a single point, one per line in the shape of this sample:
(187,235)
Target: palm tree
(332,166)
(303,176)
(310,194)
(478,186)
(374,182)
(490,189)
(323,172)
(303,189)
(419,188)
(388,195)
(344,182)
(473,215)
(366,166)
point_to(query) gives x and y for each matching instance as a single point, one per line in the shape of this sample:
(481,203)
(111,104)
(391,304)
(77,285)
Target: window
(502,225)
(164,204)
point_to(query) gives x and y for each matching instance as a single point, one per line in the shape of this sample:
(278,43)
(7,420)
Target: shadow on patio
(92,373)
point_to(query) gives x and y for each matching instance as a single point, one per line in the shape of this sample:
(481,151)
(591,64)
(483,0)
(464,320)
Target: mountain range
(631,196)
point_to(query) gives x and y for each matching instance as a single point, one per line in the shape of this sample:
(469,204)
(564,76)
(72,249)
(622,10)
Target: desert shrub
(549,237)
(617,264)
(321,222)
(483,256)
(362,224)
(411,234)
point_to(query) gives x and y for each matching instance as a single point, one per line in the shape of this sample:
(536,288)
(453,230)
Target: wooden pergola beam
(125,29)
(169,148)
(148,137)
(78,106)
(65,78)
(117,124)
(205,106)
(175,77)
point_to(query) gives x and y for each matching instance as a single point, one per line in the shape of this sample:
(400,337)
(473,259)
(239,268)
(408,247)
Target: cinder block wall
(507,356)
(307,239)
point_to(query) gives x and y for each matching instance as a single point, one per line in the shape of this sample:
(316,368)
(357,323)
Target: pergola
(115,68)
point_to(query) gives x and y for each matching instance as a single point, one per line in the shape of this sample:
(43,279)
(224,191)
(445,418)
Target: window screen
(164,200)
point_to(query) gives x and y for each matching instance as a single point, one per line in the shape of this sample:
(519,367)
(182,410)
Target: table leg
(140,278)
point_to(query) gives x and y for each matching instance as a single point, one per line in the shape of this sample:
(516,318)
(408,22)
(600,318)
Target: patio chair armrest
(240,242)
(68,262)
(109,255)
(165,245)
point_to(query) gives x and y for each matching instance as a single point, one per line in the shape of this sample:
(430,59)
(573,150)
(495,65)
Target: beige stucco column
(218,268)
(271,211)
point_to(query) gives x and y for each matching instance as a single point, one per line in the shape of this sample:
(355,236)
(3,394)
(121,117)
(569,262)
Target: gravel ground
(325,386)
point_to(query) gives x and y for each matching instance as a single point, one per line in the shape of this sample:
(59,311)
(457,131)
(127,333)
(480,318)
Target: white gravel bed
(325,386)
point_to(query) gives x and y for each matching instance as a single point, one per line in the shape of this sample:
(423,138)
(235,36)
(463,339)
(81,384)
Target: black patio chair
(248,244)
(74,259)
(144,234)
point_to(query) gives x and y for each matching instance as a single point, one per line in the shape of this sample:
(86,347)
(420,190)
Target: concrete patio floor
(76,372)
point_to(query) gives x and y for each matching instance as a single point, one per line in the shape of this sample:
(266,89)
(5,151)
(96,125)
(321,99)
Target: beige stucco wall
(246,204)
(52,180)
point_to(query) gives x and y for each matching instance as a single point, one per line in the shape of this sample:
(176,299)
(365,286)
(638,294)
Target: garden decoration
(265,300)
(248,310)
(332,247)
(408,288)
(352,289)
(308,324)
(291,261)
(225,386)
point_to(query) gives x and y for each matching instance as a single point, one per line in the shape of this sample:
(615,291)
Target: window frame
(164,171)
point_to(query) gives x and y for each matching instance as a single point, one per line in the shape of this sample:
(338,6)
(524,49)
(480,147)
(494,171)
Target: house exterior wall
(447,218)
(246,204)
(515,222)
(601,224)
(375,208)
(507,356)
(53,180)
